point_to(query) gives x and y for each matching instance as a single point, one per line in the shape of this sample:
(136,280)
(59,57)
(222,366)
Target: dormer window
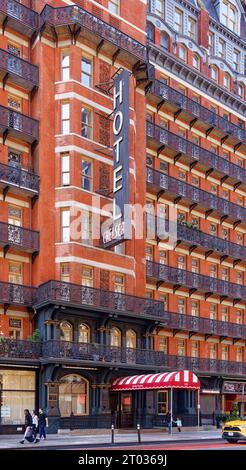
(196,61)
(178,20)
(182,52)
(227,81)
(236,60)
(221,48)
(192,28)
(159,8)
(229,16)
(214,73)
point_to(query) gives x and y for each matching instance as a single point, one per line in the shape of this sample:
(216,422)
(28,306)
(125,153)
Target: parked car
(234,431)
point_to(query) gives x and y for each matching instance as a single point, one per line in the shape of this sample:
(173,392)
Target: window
(226,155)
(115,337)
(195,181)
(163,298)
(194,349)
(15,328)
(86,123)
(239,278)
(213,312)
(195,265)
(162,403)
(227,81)
(86,72)
(15,273)
(149,294)
(87,276)
(163,257)
(213,351)
(225,316)
(14,49)
(131,339)
(191,28)
(239,354)
(181,262)
(211,43)
(15,103)
(159,7)
(86,234)
(18,393)
(65,66)
(224,352)
(15,215)
(150,31)
(240,238)
(182,175)
(87,175)
(182,53)
(225,194)
(181,217)
(221,48)
(119,283)
(65,272)
(178,20)
(73,396)
(236,60)
(65,170)
(225,274)
(181,306)
(213,270)
(240,90)
(214,73)
(194,308)
(213,228)
(66,331)
(14,158)
(196,61)
(164,43)
(162,343)
(84,333)
(181,347)
(65,225)
(65,118)
(225,234)
(229,15)
(239,317)
(114,6)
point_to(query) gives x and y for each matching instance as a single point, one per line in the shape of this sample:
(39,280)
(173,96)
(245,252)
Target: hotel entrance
(122,409)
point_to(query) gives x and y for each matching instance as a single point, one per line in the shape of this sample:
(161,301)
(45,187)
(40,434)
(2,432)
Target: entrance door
(126,410)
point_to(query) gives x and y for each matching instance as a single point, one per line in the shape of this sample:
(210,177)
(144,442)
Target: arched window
(214,73)
(196,61)
(84,333)
(150,31)
(164,41)
(182,53)
(227,81)
(115,337)
(66,330)
(131,339)
(240,90)
(73,396)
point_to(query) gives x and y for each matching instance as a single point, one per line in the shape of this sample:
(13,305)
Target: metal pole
(112,434)
(198,409)
(171,410)
(139,434)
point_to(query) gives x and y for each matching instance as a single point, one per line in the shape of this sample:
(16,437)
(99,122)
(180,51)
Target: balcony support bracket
(192,291)
(176,115)
(160,193)
(224,139)
(236,223)
(223,258)
(5,250)
(33,91)
(222,298)
(193,164)
(224,178)
(236,340)
(5,192)
(177,157)
(208,212)
(33,146)
(5,79)
(178,242)
(5,22)
(208,172)
(208,253)
(115,55)
(177,199)
(54,34)
(5,308)
(236,185)
(207,336)
(34,256)
(236,262)
(209,131)
(34,200)
(192,333)
(207,295)
(193,122)
(159,105)
(223,218)
(236,147)
(5,135)
(192,248)
(176,331)
(159,150)
(158,284)
(192,206)
(235,302)
(176,287)
(100,45)
(222,338)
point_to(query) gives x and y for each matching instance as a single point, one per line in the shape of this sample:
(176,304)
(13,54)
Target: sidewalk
(59,441)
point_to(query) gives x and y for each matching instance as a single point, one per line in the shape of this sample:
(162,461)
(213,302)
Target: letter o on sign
(118,123)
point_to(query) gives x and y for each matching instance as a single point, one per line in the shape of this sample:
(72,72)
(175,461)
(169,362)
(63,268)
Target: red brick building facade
(146,304)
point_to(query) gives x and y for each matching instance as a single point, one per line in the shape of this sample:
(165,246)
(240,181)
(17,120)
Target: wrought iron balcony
(18,125)
(160,227)
(12,236)
(195,324)
(196,364)
(162,183)
(188,110)
(108,39)
(18,17)
(185,150)
(16,294)
(20,349)
(193,281)
(65,293)
(19,180)
(16,70)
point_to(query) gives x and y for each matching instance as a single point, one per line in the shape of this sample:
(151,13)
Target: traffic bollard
(139,434)
(112,434)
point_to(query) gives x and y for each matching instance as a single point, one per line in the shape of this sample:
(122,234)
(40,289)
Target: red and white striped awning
(183,379)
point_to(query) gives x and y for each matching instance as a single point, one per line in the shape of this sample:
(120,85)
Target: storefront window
(73,396)
(66,331)
(84,333)
(162,403)
(17,394)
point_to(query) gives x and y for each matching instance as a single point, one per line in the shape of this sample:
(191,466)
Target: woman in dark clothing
(42,423)
(29,434)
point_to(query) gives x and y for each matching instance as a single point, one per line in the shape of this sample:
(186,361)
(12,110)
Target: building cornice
(227,33)
(188,6)
(192,76)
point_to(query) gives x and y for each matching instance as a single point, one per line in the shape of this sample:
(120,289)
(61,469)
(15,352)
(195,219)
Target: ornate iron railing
(75,15)
(198,111)
(16,11)
(13,121)
(17,177)
(199,196)
(89,297)
(21,68)
(19,237)
(20,349)
(197,364)
(184,278)
(16,294)
(209,159)
(161,228)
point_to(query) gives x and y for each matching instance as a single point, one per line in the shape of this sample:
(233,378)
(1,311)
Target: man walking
(29,434)
(42,423)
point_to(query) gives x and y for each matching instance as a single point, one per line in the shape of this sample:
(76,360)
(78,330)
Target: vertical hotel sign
(120,229)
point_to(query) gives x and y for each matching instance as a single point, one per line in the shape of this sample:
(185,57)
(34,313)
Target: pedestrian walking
(42,423)
(29,434)
(179,424)
(35,422)
(168,421)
